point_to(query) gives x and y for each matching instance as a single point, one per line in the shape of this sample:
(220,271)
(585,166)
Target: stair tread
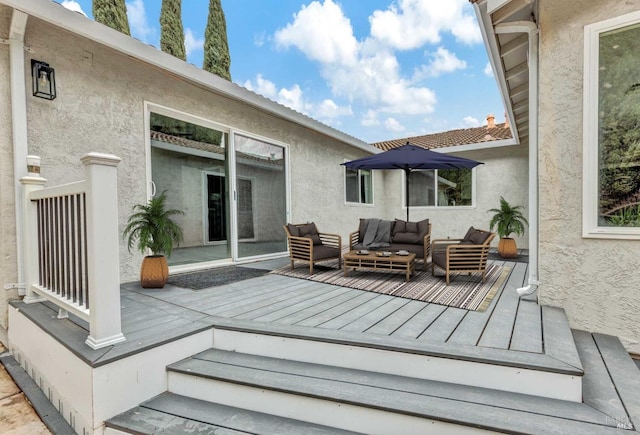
(623,372)
(175,414)
(428,399)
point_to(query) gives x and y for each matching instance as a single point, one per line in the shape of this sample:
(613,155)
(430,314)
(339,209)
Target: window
(359,186)
(612,128)
(441,188)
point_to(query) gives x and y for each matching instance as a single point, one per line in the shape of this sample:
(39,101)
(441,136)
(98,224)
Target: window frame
(359,203)
(590,129)
(472,206)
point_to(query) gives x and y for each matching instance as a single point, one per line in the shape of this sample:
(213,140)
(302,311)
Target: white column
(103,257)
(30,247)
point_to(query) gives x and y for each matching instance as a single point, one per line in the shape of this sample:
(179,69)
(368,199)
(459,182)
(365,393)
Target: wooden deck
(509,332)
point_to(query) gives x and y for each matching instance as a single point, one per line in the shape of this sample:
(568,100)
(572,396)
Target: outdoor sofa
(408,236)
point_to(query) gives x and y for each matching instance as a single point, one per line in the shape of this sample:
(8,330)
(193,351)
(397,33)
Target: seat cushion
(439,258)
(321,252)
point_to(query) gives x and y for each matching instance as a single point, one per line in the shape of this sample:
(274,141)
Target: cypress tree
(171,30)
(216,48)
(112,13)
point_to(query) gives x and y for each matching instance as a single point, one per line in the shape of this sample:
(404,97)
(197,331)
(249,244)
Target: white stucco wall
(8,262)
(504,172)
(596,281)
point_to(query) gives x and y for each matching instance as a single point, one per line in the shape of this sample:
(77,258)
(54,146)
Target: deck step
(174,414)
(363,401)
(612,379)
(544,375)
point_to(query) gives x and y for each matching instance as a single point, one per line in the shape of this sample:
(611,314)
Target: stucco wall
(8,263)
(596,281)
(504,172)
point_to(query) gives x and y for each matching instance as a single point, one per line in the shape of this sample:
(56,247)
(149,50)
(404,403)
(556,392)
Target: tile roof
(463,136)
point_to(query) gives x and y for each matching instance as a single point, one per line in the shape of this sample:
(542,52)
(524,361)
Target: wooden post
(32,182)
(103,256)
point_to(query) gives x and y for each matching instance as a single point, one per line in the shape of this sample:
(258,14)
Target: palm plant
(151,227)
(508,219)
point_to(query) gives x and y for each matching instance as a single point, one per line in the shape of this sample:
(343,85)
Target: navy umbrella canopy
(408,158)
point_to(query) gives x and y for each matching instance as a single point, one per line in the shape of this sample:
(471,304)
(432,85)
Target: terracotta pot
(154,271)
(507,248)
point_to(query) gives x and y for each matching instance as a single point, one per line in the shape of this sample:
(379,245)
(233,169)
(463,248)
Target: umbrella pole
(406,188)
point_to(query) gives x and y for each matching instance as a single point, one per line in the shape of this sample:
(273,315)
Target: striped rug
(464,291)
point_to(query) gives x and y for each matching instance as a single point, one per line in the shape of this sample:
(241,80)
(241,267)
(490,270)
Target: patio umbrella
(408,158)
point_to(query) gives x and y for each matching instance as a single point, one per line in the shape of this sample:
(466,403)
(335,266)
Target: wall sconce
(44,80)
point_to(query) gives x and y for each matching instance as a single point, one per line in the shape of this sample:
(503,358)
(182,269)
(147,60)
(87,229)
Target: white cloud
(74,6)
(259,39)
(322,32)
(442,61)
(370,119)
(470,121)
(393,125)
(488,70)
(329,109)
(191,43)
(263,87)
(412,23)
(138,21)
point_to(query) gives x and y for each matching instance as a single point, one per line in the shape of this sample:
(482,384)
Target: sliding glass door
(262,196)
(234,204)
(190,163)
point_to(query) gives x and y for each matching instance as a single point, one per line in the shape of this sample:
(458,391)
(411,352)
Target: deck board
(370,319)
(343,308)
(320,307)
(420,322)
(355,313)
(331,292)
(440,330)
(499,329)
(301,296)
(396,319)
(527,331)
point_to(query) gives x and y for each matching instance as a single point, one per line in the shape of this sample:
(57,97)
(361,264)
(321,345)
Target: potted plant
(151,227)
(508,219)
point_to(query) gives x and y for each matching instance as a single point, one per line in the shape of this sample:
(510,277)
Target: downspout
(19,129)
(532,30)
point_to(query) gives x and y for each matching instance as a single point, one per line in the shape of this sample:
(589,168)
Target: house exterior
(568,85)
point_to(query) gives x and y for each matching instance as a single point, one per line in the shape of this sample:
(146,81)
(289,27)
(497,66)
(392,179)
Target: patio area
(517,358)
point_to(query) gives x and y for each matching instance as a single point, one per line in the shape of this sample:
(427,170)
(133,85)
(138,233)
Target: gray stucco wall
(8,262)
(504,172)
(596,281)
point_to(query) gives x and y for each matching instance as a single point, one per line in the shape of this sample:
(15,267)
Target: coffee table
(374,261)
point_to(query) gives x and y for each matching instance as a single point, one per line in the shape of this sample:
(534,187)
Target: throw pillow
(479,237)
(310,230)
(407,237)
(400,226)
(470,231)
(293,230)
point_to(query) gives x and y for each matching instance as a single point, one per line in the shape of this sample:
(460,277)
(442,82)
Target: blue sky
(375,69)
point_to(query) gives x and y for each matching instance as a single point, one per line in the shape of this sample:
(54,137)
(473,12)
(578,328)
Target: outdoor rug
(214,277)
(464,291)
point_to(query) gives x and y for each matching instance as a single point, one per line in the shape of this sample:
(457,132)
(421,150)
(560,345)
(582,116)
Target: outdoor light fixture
(44,80)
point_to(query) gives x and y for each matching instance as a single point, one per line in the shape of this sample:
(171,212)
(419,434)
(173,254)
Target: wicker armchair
(466,255)
(309,245)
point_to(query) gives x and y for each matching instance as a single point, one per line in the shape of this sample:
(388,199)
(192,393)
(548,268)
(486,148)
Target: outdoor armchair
(309,245)
(466,255)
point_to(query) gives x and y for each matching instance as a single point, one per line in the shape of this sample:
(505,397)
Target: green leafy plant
(151,226)
(508,219)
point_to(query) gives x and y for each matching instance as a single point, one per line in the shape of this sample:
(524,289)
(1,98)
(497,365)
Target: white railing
(71,247)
